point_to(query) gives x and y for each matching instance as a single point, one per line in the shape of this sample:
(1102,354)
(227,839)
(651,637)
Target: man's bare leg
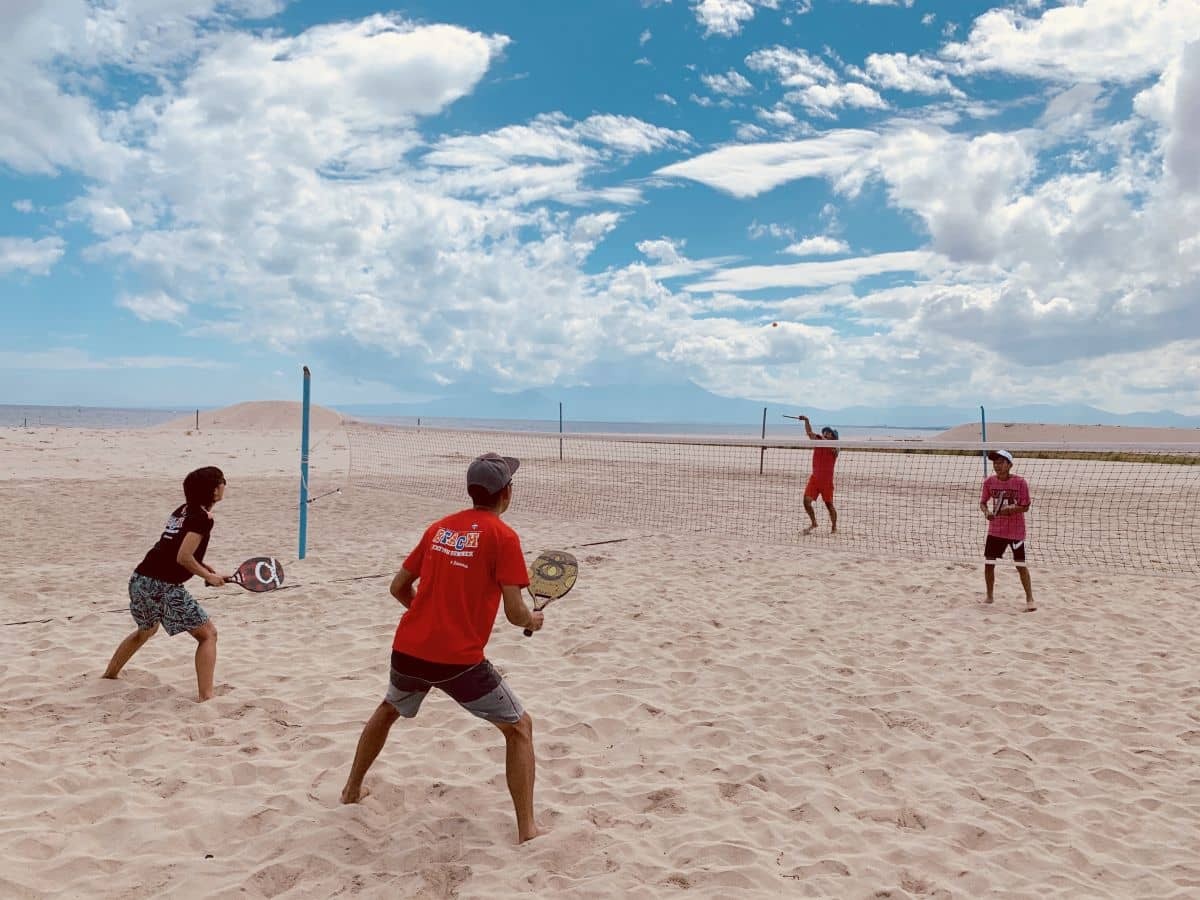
(832,517)
(370,742)
(125,650)
(812,516)
(206,658)
(989,580)
(1027,583)
(519,770)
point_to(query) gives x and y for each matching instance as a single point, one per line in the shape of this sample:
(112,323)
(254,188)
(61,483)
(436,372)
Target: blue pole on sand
(983,437)
(304,465)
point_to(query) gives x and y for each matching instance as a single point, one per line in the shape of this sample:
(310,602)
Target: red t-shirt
(1011,491)
(461,562)
(823,462)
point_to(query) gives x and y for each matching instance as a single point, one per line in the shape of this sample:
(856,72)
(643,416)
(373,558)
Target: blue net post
(762,451)
(983,437)
(304,464)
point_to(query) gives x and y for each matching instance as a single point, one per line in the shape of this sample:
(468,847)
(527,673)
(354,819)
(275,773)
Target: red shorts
(819,487)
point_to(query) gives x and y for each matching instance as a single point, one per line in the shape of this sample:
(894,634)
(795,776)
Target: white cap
(1000,454)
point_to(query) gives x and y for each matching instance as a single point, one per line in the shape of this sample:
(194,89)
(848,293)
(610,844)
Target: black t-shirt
(160,561)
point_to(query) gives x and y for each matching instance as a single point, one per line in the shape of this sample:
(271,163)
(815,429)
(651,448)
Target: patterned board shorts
(152,601)
(479,689)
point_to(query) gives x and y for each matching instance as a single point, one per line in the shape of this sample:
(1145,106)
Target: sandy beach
(714,717)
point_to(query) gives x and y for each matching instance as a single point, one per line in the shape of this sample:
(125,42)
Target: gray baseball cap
(492,472)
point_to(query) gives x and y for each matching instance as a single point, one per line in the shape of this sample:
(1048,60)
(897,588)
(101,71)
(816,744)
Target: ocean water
(18,416)
(15,415)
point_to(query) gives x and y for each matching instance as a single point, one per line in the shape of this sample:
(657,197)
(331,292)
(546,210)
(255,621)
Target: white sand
(732,719)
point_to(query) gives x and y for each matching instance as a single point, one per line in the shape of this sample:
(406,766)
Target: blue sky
(937,201)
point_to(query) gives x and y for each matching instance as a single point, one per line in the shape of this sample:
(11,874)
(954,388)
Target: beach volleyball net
(1112,507)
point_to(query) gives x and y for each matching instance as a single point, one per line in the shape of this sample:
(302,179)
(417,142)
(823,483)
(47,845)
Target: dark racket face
(551,576)
(259,573)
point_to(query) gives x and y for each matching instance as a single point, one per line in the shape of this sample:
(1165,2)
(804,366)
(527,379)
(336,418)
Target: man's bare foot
(204,698)
(112,676)
(810,529)
(833,530)
(537,832)
(354,796)
(988,599)
(1029,606)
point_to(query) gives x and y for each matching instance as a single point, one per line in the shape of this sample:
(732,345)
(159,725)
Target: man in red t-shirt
(463,566)
(820,483)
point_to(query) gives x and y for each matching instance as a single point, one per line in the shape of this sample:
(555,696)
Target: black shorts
(994,547)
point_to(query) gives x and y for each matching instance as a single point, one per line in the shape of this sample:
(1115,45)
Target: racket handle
(528,633)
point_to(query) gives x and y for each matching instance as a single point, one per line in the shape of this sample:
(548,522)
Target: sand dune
(712,716)
(280,415)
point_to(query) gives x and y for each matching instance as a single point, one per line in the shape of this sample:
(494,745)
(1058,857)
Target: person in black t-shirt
(156,591)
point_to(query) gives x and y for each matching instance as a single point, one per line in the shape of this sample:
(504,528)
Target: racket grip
(528,633)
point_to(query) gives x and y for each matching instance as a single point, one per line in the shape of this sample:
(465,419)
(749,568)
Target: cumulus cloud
(726,18)
(155,307)
(36,257)
(1101,41)
(731,83)
(912,74)
(818,245)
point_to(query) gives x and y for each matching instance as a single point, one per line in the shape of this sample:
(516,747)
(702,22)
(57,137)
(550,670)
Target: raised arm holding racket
(451,586)
(820,482)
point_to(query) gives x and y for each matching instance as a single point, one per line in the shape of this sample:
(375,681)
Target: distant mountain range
(690,403)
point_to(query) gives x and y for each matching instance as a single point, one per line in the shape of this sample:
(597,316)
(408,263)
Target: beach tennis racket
(258,574)
(551,577)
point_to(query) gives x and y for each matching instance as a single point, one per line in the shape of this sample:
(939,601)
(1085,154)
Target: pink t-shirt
(997,494)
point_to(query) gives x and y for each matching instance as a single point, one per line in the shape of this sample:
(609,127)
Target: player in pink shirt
(1004,502)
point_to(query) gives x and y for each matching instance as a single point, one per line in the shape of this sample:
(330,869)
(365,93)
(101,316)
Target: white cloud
(37,257)
(1102,41)
(793,68)
(914,74)
(759,230)
(154,307)
(1183,140)
(749,132)
(644,37)
(726,17)
(818,245)
(23,206)
(752,169)
(667,99)
(817,274)
(663,250)
(823,99)
(732,83)
(906,3)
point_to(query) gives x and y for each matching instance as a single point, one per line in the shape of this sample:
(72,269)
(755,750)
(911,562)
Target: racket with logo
(551,577)
(258,574)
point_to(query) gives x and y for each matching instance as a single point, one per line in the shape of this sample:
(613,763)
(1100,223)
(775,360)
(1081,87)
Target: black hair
(481,497)
(200,485)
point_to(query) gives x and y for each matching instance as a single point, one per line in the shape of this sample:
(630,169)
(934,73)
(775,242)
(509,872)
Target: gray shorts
(152,601)
(477,688)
